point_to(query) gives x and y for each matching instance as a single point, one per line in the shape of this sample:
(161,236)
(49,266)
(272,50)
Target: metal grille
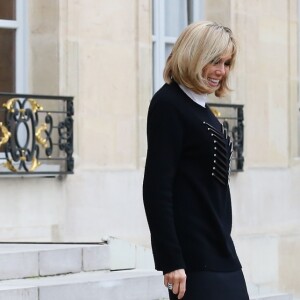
(232,118)
(36,135)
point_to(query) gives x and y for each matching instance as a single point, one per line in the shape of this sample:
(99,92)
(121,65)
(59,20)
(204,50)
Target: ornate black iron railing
(232,118)
(36,135)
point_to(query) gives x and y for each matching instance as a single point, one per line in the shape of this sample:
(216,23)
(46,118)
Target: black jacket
(186,192)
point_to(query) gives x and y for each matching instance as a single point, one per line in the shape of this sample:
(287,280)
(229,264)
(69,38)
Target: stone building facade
(100,52)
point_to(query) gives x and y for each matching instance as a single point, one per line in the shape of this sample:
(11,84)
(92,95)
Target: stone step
(98,285)
(33,260)
(35,271)
(266,297)
(273,297)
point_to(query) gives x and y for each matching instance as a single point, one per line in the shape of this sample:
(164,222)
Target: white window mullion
(155,42)
(298,106)
(8,24)
(161,44)
(170,40)
(21,48)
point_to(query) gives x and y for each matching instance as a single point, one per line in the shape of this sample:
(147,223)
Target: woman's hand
(178,279)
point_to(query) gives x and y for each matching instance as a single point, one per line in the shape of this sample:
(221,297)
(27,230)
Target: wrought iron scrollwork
(65,141)
(21,151)
(28,133)
(232,118)
(5,134)
(43,135)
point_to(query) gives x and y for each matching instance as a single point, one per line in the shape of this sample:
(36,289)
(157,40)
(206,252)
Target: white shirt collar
(200,99)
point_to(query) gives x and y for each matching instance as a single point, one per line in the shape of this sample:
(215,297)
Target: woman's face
(217,71)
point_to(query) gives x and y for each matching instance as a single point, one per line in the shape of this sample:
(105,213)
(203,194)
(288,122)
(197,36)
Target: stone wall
(265,197)
(100,52)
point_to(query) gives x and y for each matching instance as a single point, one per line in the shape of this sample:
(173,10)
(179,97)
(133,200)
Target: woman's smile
(217,70)
(213,82)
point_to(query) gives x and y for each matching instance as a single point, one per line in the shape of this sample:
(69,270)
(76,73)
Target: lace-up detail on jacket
(222,153)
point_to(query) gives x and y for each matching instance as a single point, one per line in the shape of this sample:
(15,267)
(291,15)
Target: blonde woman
(186,192)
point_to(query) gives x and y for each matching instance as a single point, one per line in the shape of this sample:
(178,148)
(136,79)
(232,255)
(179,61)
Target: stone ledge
(273,297)
(32,260)
(119,285)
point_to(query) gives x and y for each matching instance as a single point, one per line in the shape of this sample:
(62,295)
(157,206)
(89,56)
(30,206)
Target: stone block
(80,291)
(259,256)
(18,265)
(30,293)
(144,258)
(96,258)
(113,286)
(122,254)
(273,297)
(60,261)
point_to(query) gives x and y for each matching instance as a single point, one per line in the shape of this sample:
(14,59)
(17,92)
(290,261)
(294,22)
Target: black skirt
(214,286)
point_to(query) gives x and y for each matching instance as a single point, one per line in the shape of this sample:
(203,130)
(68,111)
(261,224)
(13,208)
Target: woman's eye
(215,62)
(218,61)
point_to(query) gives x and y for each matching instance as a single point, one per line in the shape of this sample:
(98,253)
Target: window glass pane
(7,65)
(168,50)
(175,17)
(8,9)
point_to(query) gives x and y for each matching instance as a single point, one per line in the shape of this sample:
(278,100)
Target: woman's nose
(221,70)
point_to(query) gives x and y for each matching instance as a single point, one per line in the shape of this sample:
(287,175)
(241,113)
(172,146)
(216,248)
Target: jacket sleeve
(165,137)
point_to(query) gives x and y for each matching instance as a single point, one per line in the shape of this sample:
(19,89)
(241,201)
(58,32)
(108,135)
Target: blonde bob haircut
(199,45)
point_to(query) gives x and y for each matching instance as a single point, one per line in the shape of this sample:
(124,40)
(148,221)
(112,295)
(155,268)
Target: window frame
(21,54)
(295,147)
(298,75)
(195,12)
